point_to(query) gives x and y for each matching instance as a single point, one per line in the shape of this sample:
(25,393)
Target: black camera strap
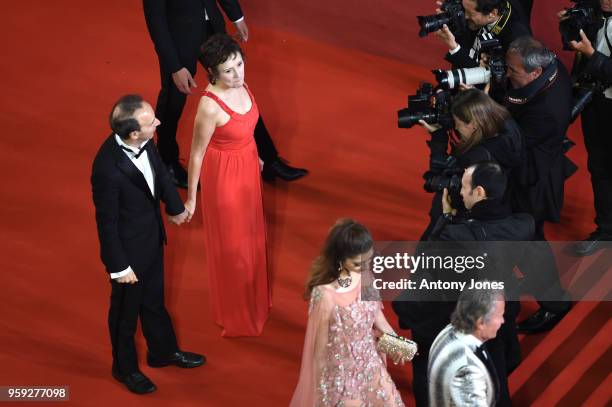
(503,20)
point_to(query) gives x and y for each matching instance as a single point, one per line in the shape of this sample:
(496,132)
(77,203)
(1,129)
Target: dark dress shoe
(541,321)
(597,240)
(136,382)
(180,359)
(280,169)
(178,174)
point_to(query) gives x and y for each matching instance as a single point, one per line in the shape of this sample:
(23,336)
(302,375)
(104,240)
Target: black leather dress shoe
(541,321)
(178,174)
(597,240)
(180,359)
(136,382)
(280,169)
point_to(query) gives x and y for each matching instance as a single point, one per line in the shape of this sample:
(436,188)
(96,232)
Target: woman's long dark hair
(346,239)
(473,105)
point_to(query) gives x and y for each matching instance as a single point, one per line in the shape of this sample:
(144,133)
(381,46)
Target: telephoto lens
(433,23)
(468,76)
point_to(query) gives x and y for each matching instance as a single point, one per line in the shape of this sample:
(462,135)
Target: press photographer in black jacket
(488,218)
(539,98)
(484,131)
(503,19)
(593,64)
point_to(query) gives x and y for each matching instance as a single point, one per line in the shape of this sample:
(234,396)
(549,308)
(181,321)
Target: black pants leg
(122,320)
(265,146)
(143,299)
(599,148)
(542,277)
(170,104)
(156,324)
(501,349)
(420,386)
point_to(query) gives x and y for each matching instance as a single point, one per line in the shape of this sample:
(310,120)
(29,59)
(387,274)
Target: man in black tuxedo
(178,29)
(128,181)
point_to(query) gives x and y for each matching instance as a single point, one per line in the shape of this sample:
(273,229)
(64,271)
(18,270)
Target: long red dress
(234,225)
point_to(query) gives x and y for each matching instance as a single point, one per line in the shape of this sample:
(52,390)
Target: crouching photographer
(593,68)
(487,221)
(484,131)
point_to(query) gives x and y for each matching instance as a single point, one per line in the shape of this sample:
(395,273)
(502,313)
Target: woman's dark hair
(215,51)
(473,105)
(121,118)
(346,239)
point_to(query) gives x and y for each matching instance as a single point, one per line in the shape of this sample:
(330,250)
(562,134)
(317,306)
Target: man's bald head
(122,117)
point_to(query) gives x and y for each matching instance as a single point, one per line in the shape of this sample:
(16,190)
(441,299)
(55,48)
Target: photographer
(539,97)
(485,132)
(594,63)
(502,19)
(483,187)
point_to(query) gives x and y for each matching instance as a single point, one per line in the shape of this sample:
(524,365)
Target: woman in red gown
(224,159)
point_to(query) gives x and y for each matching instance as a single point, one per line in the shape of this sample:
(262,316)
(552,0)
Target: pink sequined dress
(340,363)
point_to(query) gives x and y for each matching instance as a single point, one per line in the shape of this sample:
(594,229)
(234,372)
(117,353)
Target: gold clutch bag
(398,348)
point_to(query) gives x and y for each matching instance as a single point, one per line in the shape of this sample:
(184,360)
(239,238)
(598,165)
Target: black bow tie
(136,155)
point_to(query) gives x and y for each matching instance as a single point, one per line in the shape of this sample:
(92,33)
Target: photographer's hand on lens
(429,127)
(446,203)
(561,15)
(447,37)
(584,46)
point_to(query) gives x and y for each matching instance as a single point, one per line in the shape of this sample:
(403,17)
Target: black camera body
(453,15)
(450,179)
(582,15)
(491,46)
(582,95)
(429,104)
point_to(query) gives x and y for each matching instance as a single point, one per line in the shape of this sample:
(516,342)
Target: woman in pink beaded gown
(340,363)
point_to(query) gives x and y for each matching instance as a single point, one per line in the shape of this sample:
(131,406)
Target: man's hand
(242,31)
(584,46)
(561,15)
(430,127)
(180,218)
(184,81)
(447,37)
(190,208)
(447,204)
(130,278)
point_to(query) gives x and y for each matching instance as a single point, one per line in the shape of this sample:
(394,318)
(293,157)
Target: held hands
(184,81)
(242,31)
(190,206)
(130,278)
(584,46)
(181,218)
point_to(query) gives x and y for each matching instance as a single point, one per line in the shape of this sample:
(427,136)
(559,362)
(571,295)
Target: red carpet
(330,103)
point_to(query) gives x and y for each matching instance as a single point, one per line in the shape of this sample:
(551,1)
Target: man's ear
(480,192)
(134,135)
(537,72)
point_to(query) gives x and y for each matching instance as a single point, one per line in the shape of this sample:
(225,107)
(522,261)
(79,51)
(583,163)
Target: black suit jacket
(516,26)
(177,28)
(129,219)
